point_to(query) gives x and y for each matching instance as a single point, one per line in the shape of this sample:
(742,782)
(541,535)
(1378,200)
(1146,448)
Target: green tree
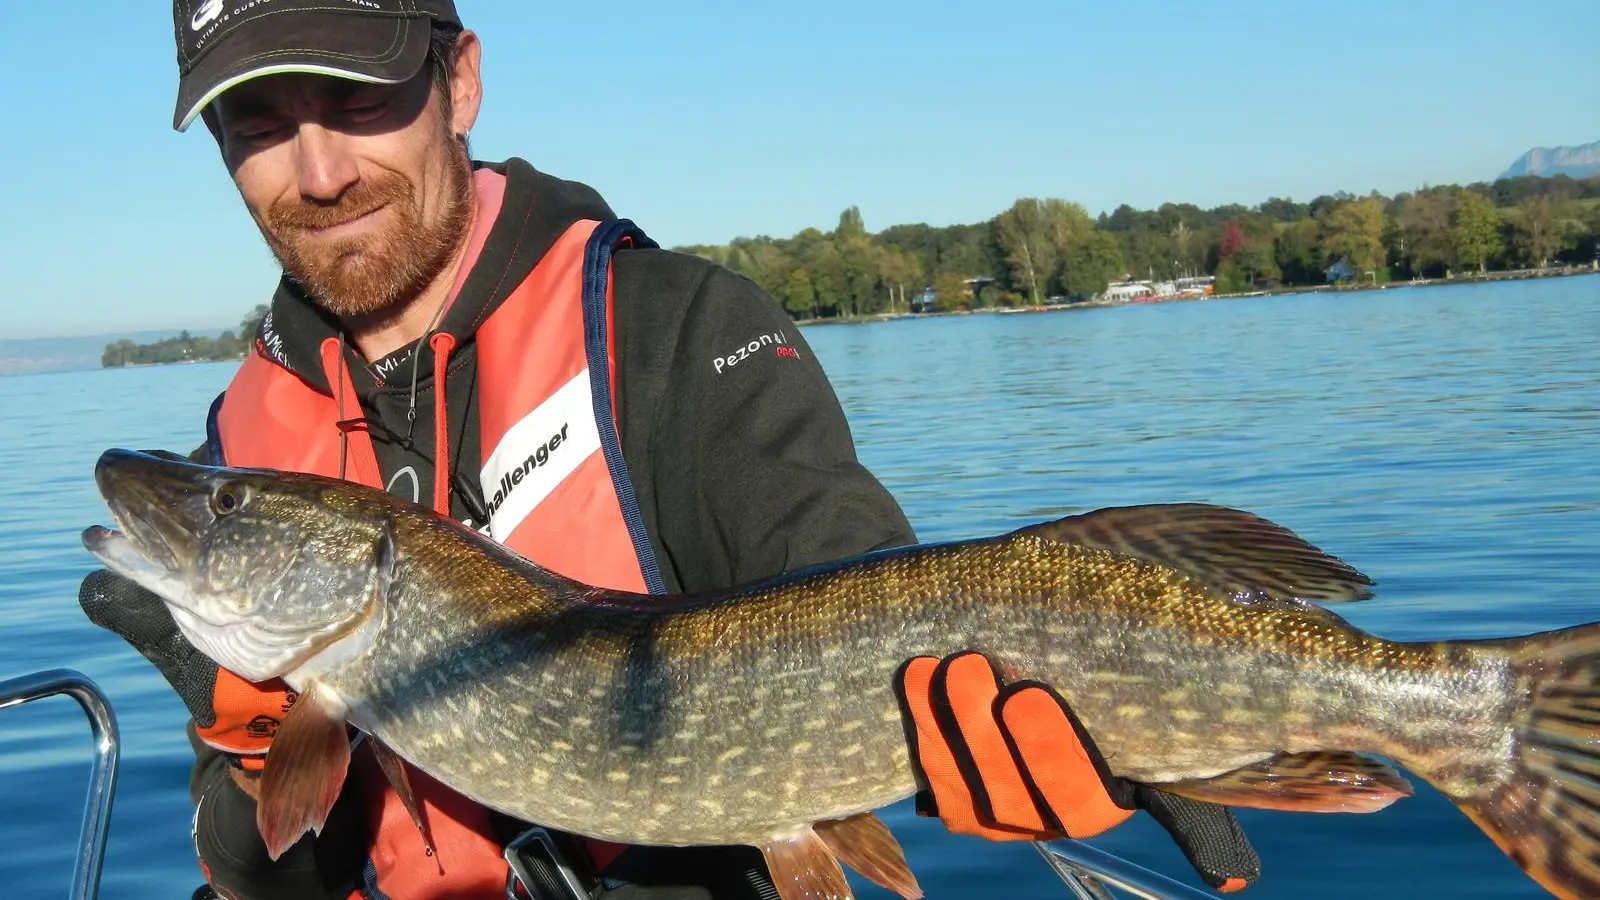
(1255,263)
(1033,235)
(1516,191)
(721,255)
(1475,231)
(799,297)
(822,262)
(1394,241)
(1587,243)
(1183,248)
(1033,248)
(955,250)
(1354,231)
(1298,253)
(764,261)
(1251,264)
(858,274)
(1543,228)
(1229,278)
(850,224)
(899,272)
(229,345)
(118,354)
(1148,253)
(1424,219)
(251,323)
(1327,203)
(1092,261)
(950,293)
(1281,209)
(183,348)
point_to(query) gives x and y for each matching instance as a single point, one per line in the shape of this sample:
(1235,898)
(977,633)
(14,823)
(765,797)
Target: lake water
(1446,441)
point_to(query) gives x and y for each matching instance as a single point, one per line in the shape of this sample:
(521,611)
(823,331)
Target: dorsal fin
(1229,550)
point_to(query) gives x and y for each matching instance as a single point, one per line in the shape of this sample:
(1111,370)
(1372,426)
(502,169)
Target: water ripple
(1444,441)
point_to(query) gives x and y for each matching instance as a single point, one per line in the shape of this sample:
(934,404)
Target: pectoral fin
(304,771)
(1326,782)
(803,868)
(394,768)
(865,844)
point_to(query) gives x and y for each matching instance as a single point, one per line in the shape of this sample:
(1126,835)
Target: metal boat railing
(103,777)
(1086,871)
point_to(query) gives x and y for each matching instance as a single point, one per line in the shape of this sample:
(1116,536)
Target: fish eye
(227,498)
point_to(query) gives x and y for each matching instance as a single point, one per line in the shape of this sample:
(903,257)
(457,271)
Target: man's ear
(466,83)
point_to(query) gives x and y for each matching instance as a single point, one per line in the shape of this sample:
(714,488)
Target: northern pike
(1191,641)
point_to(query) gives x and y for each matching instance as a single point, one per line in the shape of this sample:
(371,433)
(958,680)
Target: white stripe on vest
(538,453)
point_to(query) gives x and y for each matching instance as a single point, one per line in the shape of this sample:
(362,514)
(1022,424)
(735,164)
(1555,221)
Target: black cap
(224,42)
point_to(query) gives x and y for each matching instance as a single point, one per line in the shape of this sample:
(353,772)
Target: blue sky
(703,121)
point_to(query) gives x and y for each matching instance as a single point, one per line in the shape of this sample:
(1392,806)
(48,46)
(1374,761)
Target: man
(493,342)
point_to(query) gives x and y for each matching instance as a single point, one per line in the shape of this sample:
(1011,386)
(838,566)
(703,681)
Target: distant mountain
(1576,162)
(21,356)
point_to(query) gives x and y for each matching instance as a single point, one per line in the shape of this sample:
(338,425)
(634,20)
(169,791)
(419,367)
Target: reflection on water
(1443,440)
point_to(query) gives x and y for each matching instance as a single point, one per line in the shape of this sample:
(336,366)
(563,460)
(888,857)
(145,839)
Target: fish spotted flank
(1190,640)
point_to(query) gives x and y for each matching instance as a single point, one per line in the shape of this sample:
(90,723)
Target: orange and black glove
(231,714)
(1012,763)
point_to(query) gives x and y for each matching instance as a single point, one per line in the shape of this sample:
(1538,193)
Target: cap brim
(369,53)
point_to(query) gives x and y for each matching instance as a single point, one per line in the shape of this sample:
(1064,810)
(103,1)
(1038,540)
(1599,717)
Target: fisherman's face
(361,190)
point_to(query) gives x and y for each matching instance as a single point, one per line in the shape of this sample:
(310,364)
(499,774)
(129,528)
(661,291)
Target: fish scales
(1187,638)
(664,711)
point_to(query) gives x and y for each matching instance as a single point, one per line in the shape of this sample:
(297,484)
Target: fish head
(265,572)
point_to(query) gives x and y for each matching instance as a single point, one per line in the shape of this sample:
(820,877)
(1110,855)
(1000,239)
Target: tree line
(1039,249)
(185,347)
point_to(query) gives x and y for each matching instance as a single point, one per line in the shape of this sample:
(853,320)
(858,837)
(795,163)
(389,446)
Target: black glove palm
(143,620)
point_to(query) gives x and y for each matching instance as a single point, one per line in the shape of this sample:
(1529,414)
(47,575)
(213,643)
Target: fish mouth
(159,500)
(118,554)
(253,647)
(166,542)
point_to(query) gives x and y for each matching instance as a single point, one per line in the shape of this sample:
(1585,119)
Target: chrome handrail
(102,779)
(1086,870)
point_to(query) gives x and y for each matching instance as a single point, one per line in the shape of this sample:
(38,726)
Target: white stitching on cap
(405,30)
(308,69)
(393,51)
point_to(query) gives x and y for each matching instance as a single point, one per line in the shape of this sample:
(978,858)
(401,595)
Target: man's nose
(327,168)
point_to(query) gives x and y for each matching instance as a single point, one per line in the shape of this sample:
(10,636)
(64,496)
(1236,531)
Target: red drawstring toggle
(441,344)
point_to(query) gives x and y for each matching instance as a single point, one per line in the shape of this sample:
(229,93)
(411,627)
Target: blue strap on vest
(214,433)
(369,882)
(596,270)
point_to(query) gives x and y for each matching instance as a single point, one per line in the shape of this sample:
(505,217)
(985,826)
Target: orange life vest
(552,475)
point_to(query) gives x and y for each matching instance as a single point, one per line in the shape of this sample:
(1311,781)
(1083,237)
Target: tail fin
(1543,808)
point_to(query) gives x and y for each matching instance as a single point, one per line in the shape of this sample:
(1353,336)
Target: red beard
(379,270)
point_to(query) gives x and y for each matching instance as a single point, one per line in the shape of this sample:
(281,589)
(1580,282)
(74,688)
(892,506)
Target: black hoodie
(743,466)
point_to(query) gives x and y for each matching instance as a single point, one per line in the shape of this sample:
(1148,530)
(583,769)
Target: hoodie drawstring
(441,344)
(338,374)
(335,368)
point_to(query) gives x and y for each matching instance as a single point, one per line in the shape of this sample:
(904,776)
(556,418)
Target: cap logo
(206,14)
